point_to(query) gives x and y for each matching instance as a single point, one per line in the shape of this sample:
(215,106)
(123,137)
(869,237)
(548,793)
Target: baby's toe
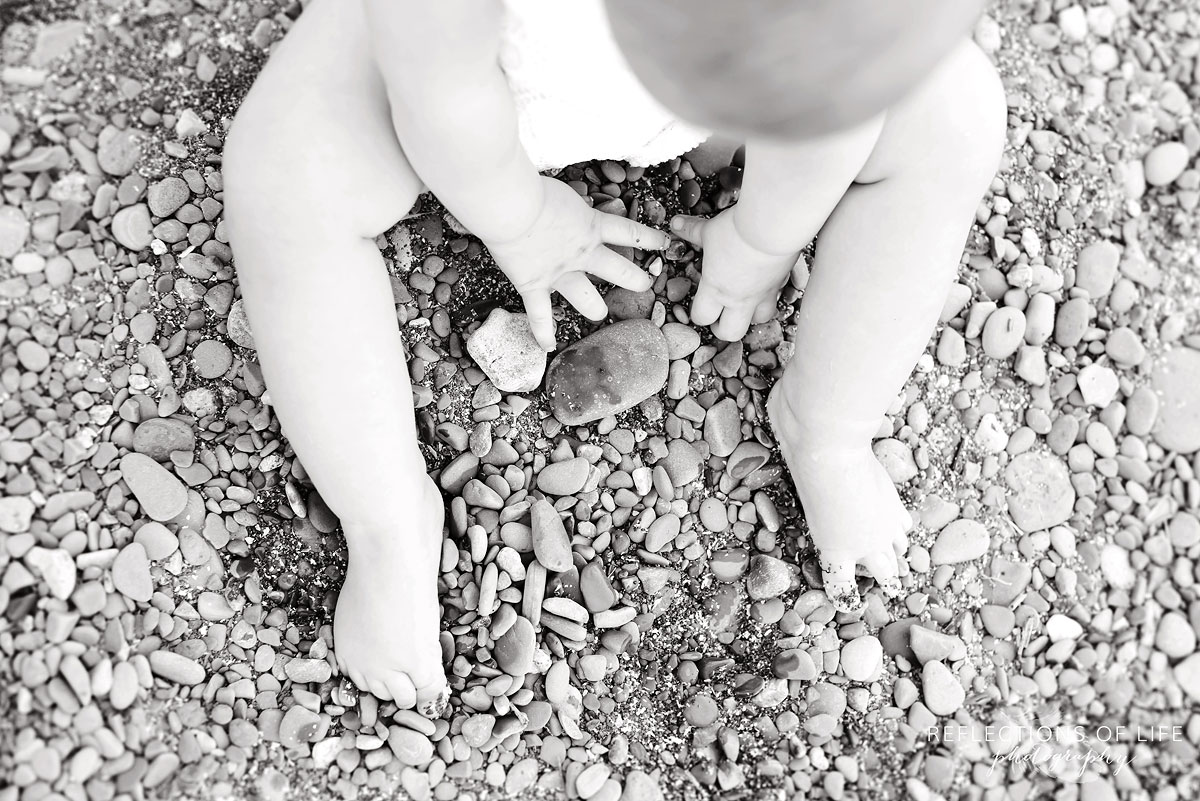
(884,568)
(401,689)
(840,585)
(432,699)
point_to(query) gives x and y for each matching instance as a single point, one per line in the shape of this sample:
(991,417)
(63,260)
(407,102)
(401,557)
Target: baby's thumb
(688,228)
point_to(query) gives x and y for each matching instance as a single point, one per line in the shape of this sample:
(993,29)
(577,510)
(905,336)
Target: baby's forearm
(790,189)
(454,114)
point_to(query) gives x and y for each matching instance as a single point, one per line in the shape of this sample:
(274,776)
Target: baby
(877,123)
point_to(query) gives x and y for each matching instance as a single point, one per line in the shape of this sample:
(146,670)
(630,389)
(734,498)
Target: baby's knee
(974,111)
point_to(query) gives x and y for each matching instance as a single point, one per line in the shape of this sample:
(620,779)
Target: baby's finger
(541,319)
(689,229)
(733,324)
(840,585)
(616,230)
(765,311)
(580,293)
(607,265)
(706,306)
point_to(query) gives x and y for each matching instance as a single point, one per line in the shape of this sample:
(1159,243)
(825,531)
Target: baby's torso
(576,97)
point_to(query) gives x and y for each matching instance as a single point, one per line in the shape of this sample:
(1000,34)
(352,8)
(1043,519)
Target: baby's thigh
(315,129)
(951,124)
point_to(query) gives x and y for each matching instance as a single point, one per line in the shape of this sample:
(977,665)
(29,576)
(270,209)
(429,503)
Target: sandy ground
(167,625)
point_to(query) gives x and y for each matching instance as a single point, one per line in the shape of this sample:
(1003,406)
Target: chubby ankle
(805,430)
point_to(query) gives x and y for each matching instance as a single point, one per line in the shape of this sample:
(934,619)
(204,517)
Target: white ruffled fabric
(577,98)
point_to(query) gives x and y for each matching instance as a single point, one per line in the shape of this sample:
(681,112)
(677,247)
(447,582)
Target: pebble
(794,664)
(1041,492)
(162,496)
(1176,379)
(1141,411)
(505,349)
(56,567)
(943,693)
(131,227)
(1003,332)
(729,564)
(608,372)
(1164,163)
(176,668)
(625,304)
(119,151)
(125,686)
(412,748)
(862,658)
(299,726)
(723,427)
(641,786)
(33,356)
(212,358)
(513,650)
(305,671)
(591,779)
(166,196)
(551,545)
(16,513)
(1007,581)
(237,325)
(897,460)
(701,711)
(682,340)
(1061,627)
(131,573)
(1071,322)
(960,541)
(1187,673)
(769,577)
(682,463)
(1098,385)
(159,437)
(933,646)
(1096,268)
(597,591)
(14,231)
(1116,567)
(564,478)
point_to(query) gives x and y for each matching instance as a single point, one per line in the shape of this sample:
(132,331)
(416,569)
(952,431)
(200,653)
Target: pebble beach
(631,607)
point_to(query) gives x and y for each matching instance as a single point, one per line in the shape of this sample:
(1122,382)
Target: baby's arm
(788,191)
(456,121)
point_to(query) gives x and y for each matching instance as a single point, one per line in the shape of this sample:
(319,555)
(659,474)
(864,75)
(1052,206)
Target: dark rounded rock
(158,437)
(610,371)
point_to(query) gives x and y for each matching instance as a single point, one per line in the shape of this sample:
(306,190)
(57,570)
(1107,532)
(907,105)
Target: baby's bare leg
(313,172)
(883,265)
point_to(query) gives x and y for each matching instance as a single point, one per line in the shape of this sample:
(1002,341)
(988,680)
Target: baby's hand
(739,283)
(566,241)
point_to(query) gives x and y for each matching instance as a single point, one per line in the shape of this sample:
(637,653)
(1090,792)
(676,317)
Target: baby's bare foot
(854,515)
(386,624)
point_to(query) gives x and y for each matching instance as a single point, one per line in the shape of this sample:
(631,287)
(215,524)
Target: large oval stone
(159,437)
(610,371)
(1176,378)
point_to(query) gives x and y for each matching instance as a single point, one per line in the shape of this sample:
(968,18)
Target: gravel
(631,604)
